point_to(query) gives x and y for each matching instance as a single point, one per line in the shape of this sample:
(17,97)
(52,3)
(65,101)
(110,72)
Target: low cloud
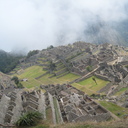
(36,24)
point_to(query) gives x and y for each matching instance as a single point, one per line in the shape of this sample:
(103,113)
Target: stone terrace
(75,105)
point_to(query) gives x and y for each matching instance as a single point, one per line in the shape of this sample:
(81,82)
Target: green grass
(31,73)
(31,83)
(65,79)
(69,77)
(49,119)
(90,84)
(115,109)
(34,71)
(41,126)
(83,88)
(122,90)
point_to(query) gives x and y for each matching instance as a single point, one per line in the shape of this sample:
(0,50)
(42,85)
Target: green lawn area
(115,109)
(90,84)
(122,90)
(34,71)
(49,119)
(65,79)
(69,77)
(31,73)
(31,83)
(83,88)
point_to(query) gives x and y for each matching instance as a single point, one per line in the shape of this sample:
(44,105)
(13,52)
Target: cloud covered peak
(36,24)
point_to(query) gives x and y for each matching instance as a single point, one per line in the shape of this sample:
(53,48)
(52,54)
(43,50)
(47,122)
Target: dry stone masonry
(66,103)
(74,104)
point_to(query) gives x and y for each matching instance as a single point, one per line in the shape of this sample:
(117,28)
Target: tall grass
(30,118)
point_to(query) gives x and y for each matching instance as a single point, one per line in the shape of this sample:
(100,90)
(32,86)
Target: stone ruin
(69,103)
(106,62)
(16,102)
(74,105)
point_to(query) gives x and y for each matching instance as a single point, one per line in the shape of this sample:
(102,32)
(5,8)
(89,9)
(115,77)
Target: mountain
(79,82)
(8,61)
(99,32)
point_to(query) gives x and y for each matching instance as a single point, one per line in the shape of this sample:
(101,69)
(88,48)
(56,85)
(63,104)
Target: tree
(94,80)
(89,68)
(52,66)
(16,80)
(8,61)
(50,47)
(31,53)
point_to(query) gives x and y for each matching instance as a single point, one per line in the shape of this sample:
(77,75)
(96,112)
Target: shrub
(16,80)
(29,119)
(89,68)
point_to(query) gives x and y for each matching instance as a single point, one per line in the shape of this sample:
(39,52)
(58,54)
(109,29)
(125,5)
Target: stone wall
(106,88)
(41,75)
(61,72)
(101,77)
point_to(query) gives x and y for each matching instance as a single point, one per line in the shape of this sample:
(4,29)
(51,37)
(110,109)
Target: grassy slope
(89,86)
(107,124)
(117,110)
(32,72)
(122,90)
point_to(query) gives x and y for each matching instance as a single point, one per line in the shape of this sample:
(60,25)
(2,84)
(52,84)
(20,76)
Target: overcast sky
(36,24)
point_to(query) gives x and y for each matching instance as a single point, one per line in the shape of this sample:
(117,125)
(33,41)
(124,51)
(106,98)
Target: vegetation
(122,90)
(35,71)
(31,53)
(83,88)
(50,47)
(29,119)
(8,61)
(89,86)
(115,109)
(49,119)
(126,66)
(89,68)
(17,82)
(52,66)
(107,124)
(41,126)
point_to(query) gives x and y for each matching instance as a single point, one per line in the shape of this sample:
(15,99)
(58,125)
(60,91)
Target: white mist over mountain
(36,24)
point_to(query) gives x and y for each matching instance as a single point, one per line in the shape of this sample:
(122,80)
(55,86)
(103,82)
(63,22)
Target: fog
(36,24)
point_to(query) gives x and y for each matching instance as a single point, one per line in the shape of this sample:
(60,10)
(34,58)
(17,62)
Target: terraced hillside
(32,74)
(76,64)
(68,81)
(89,86)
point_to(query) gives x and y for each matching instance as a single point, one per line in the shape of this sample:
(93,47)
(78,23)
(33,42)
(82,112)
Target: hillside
(80,82)
(6,82)
(8,61)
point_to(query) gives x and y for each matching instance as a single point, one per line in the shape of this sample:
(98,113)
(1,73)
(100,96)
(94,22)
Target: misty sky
(36,24)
